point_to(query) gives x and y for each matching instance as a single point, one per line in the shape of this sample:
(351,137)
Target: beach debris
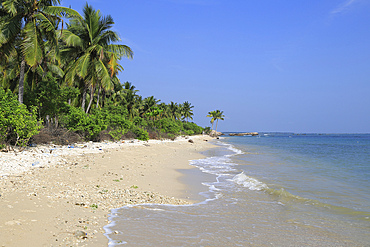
(191,141)
(36,163)
(80,234)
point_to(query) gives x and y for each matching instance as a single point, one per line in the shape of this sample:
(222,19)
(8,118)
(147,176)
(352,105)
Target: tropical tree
(29,26)
(187,111)
(212,115)
(174,111)
(219,116)
(90,44)
(215,116)
(148,105)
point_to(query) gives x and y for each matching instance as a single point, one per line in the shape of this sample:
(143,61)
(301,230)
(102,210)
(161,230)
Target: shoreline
(67,195)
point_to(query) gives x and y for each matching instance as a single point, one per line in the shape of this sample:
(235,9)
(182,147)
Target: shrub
(141,134)
(207,130)
(17,124)
(140,122)
(168,125)
(191,128)
(89,126)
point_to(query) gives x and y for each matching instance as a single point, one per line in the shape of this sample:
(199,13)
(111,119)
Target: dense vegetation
(65,76)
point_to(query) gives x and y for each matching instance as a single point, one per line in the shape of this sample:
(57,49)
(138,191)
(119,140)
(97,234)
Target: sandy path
(48,206)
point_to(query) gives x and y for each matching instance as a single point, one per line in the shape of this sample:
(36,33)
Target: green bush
(207,130)
(117,133)
(189,132)
(192,128)
(17,124)
(115,117)
(141,134)
(168,125)
(89,126)
(140,122)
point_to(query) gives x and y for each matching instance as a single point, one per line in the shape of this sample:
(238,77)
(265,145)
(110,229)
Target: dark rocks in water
(244,134)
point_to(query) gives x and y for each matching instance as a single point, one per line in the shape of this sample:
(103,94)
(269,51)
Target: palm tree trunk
(21,81)
(216,125)
(91,98)
(103,99)
(97,102)
(84,98)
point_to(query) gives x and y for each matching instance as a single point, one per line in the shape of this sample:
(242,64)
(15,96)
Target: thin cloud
(343,7)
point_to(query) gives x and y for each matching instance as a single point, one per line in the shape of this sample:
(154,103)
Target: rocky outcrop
(244,134)
(214,133)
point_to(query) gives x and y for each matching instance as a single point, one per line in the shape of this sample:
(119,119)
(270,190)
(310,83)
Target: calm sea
(275,189)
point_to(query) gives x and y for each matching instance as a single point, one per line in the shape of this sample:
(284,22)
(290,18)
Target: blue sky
(300,66)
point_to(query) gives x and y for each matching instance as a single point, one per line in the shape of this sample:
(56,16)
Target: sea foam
(248,182)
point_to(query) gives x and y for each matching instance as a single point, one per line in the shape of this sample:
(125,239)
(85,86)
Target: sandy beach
(62,196)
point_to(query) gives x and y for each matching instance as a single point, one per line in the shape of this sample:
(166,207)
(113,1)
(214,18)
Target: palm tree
(174,110)
(212,115)
(128,86)
(149,104)
(215,115)
(219,116)
(29,25)
(89,42)
(187,111)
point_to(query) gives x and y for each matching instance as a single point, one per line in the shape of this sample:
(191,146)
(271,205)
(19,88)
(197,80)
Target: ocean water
(276,189)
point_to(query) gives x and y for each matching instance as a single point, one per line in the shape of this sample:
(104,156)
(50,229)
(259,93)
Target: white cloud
(343,7)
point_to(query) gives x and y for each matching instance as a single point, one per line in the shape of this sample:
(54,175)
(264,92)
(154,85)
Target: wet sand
(68,203)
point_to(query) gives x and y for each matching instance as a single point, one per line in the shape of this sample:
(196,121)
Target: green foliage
(89,126)
(117,133)
(141,134)
(140,122)
(115,117)
(17,124)
(207,130)
(49,97)
(191,128)
(168,125)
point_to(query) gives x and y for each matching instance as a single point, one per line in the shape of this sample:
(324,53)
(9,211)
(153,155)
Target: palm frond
(83,64)
(32,45)
(61,11)
(121,50)
(55,69)
(10,7)
(70,38)
(10,28)
(103,75)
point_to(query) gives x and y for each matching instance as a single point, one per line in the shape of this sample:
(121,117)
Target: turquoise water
(276,189)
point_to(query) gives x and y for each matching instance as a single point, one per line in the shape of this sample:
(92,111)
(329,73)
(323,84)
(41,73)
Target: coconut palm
(148,105)
(89,42)
(30,25)
(174,111)
(215,116)
(219,116)
(187,111)
(212,115)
